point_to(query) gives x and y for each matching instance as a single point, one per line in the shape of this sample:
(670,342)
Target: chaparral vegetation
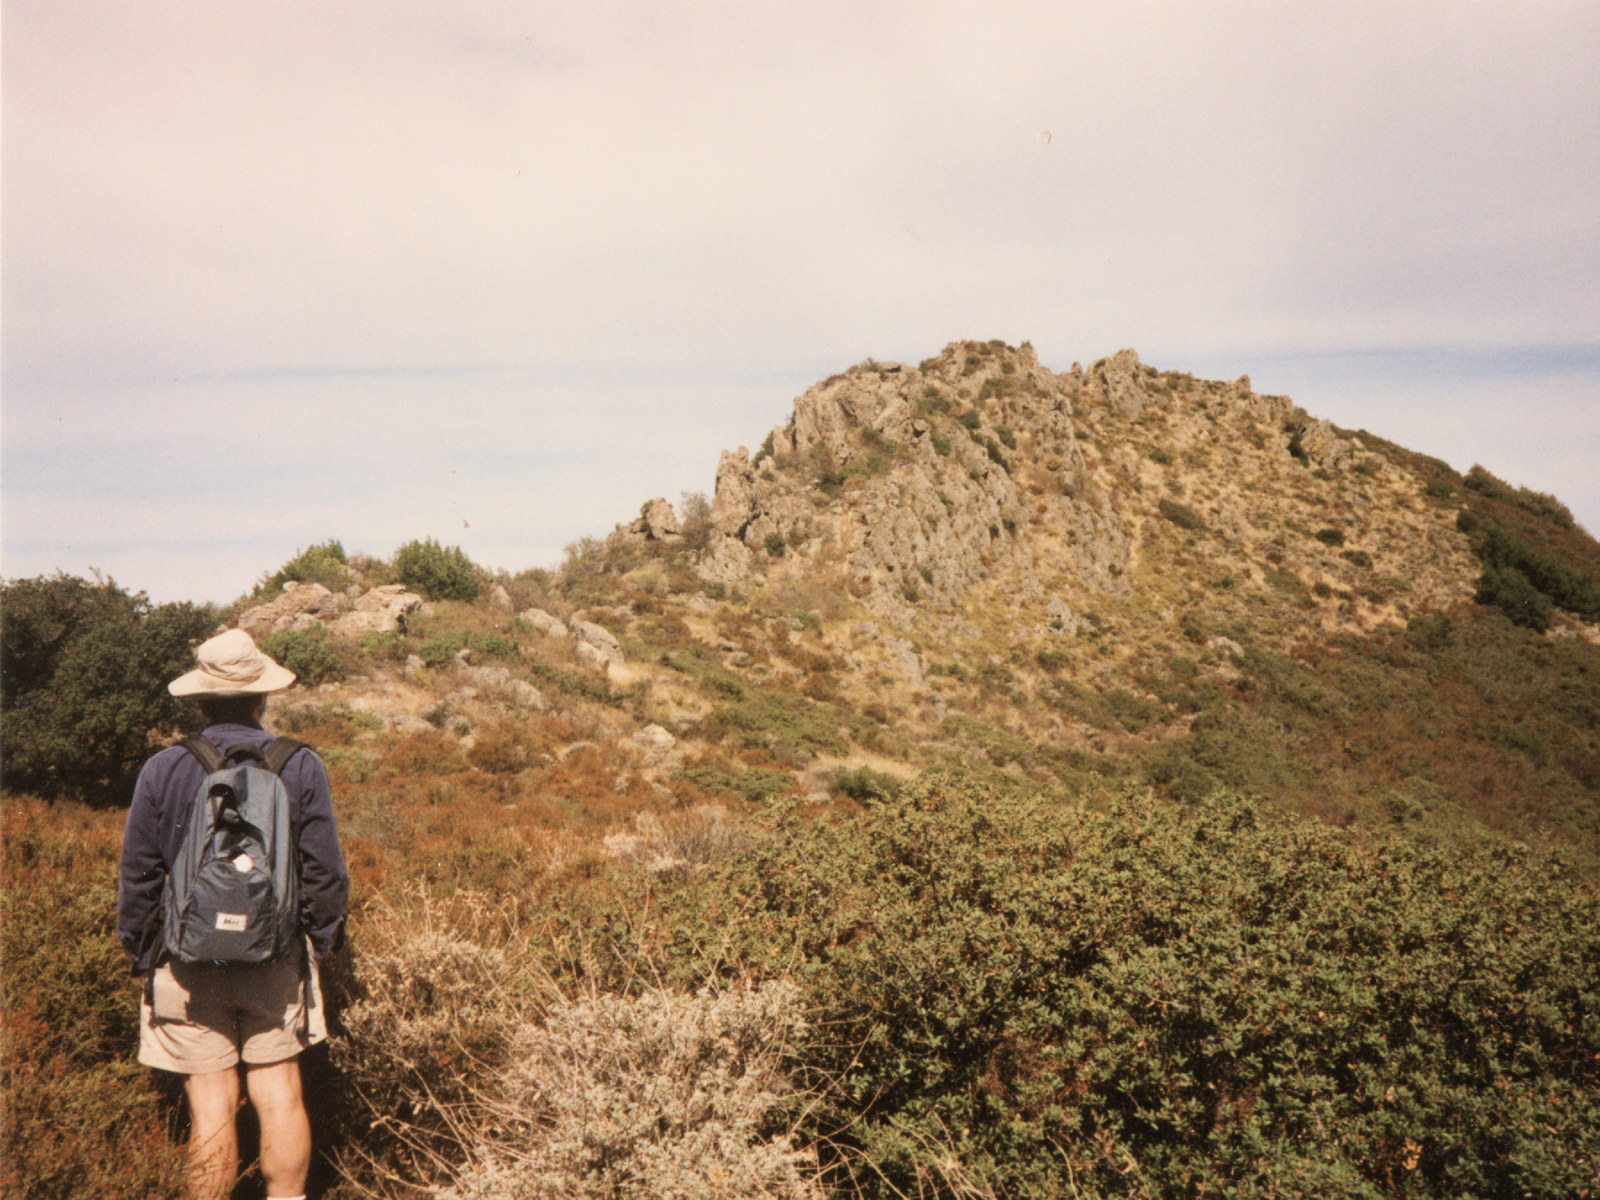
(1010,784)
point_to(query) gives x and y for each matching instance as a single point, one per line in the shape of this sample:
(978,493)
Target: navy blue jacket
(161,799)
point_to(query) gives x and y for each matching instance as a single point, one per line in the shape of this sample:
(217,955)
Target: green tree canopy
(83,672)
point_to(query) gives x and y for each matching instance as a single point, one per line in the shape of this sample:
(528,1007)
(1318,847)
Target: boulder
(1325,447)
(310,601)
(378,610)
(657,747)
(1061,619)
(594,656)
(498,683)
(537,618)
(1227,646)
(599,638)
(500,600)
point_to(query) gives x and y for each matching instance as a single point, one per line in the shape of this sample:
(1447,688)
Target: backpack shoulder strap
(280,751)
(210,758)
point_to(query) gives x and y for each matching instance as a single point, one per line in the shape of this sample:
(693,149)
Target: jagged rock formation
(979,476)
(911,483)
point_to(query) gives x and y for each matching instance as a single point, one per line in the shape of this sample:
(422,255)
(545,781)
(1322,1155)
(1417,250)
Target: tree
(83,673)
(438,572)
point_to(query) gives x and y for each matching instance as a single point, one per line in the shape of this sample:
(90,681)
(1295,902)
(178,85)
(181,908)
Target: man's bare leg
(285,1128)
(213,1136)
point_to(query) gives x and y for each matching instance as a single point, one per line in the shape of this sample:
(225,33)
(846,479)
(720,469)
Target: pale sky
(498,272)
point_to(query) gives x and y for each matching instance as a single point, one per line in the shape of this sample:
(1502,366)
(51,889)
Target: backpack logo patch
(232,922)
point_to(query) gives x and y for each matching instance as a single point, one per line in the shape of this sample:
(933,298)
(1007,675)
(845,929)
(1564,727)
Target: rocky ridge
(980,499)
(973,556)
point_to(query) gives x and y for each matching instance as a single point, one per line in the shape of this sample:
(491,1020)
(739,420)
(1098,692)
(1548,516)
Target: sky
(496,273)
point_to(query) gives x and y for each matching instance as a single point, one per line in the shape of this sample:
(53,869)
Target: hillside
(1007,783)
(1111,571)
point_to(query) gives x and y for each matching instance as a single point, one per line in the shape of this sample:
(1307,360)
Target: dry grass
(663,843)
(663,1094)
(436,999)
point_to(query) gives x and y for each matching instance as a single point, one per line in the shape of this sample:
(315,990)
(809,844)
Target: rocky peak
(911,483)
(979,482)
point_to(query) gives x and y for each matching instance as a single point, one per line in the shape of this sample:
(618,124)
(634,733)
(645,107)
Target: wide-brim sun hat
(231,665)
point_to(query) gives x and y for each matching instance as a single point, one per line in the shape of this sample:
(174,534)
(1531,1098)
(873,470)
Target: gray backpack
(233,895)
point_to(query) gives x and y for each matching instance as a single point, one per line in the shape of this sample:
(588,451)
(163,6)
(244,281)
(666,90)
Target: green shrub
(1180,515)
(756,784)
(702,664)
(386,647)
(493,645)
(1359,558)
(775,544)
(440,650)
(1512,567)
(1006,436)
(325,563)
(310,653)
(85,668)
(864,785)
(941,444)
(437,572)
(970,420)
(1064,1002)
(1508,589)
(764,453)
(1540,504)
(1330,537)
(1284,581)
(791,727)
(575,683)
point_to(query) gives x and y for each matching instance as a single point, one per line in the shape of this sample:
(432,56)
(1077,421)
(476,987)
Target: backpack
(233,894)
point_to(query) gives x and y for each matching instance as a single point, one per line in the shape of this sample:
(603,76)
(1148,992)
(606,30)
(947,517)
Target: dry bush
(677,841)
(506,747)
(664,1095)
(428,1019)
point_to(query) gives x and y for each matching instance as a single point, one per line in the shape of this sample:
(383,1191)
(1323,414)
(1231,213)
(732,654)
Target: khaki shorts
(195,1019)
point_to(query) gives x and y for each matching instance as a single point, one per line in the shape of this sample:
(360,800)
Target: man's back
(203,1020)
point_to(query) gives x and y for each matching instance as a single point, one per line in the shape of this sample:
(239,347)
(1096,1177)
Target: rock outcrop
(537,618)
(379,610)
(596,644)
(299,606)
(1121,380)
(980,477)
(913,482)
(347,614)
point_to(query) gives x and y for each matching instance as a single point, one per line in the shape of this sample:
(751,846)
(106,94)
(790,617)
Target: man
(203,1020)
